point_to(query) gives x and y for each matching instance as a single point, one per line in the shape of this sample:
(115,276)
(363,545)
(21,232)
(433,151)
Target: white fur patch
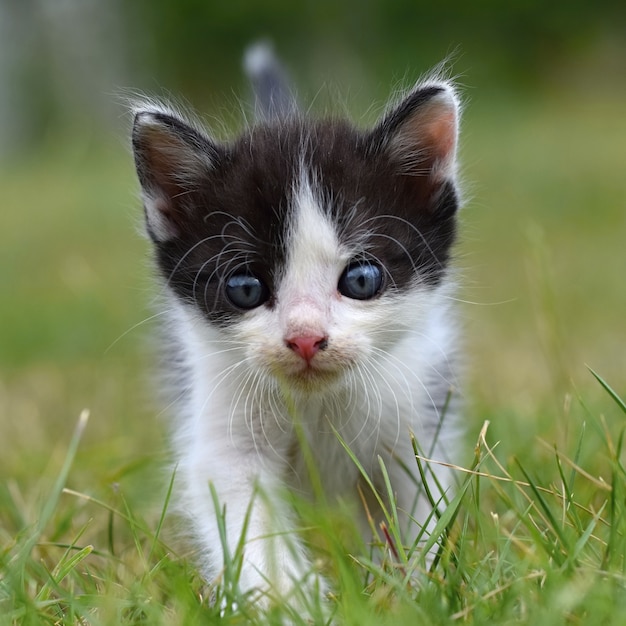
(314,264)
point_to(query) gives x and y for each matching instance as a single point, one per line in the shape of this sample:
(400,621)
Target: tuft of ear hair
(420,132)
(171,157)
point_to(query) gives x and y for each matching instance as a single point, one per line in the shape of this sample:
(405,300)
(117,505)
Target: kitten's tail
(273,95)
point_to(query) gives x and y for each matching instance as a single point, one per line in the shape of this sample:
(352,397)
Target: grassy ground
(539,539)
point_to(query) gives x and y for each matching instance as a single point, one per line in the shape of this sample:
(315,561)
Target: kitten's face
(313,245)
(331,299)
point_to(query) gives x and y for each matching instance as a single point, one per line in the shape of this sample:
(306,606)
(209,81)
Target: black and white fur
(293,205)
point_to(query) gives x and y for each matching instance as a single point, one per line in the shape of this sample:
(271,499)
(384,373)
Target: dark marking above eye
(361,280)
(246,291)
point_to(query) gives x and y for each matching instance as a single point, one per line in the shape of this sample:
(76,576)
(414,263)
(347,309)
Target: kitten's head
(312,244)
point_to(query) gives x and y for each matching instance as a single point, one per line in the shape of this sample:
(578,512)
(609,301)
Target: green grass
(538,532)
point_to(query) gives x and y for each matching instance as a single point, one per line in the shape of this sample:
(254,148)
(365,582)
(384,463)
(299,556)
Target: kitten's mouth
(310,377)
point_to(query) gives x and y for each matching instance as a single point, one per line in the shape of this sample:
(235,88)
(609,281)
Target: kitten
(306,270)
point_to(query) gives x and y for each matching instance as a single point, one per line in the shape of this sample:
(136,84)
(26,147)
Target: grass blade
(618,400)
(556,528)
(157,532)
(50,505)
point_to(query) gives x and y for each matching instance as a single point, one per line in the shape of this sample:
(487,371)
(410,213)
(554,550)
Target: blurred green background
(541,259)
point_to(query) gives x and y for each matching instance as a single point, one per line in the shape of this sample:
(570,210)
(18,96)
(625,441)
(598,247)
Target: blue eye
(361,280)
(246,291)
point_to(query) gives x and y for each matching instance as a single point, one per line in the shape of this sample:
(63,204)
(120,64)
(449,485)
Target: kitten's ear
(420,133)
(171,158)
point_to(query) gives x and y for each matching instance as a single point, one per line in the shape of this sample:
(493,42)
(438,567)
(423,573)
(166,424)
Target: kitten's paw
(287,579)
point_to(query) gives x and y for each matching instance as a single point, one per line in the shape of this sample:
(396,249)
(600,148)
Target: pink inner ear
(430,135)
(168,160)
(166,154)
(440,133)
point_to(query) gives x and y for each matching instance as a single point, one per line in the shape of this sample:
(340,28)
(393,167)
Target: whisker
(135,327)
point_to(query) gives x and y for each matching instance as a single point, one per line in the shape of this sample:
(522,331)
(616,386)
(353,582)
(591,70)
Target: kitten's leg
(249,487)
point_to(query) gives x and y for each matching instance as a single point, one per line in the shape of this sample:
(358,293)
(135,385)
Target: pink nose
(307,346)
